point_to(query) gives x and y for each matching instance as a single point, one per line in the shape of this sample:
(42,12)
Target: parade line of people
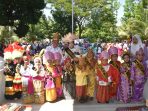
(54,73)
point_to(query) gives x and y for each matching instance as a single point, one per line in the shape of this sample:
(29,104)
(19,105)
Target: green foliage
(43,29)
(20,13)
(62,22)
(135,20)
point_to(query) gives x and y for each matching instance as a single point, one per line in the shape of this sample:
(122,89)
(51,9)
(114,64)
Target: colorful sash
(140,66)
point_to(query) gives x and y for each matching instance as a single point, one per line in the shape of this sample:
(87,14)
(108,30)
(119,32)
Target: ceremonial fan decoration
(69,37)
(8,53)
(17,50)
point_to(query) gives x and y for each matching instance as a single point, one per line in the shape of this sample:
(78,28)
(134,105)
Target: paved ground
(70,105)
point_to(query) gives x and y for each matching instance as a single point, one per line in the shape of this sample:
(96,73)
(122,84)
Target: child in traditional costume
(81,72)
(104,78)
(125,88)
(17,82)
(9,72)
(57,73)
(69,79)
(91,74)
(26,72)
(51,94)
(39,81)
(113,52)
(138,75)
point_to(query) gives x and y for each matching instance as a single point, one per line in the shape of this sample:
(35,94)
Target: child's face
(104,61)
(126,58)
(114,57)
(140,56)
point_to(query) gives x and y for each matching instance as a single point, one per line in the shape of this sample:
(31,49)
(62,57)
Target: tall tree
(82,9)
(18,14)
(128,10)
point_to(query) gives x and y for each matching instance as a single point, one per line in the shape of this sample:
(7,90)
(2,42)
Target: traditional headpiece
(49,55)
(140,51)
(104,55)
(8,53)
(112,50)
(56,36)
(17,51)
(36,59)
(69,37)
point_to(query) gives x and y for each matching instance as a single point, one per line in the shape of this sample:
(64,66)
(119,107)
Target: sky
(120,12)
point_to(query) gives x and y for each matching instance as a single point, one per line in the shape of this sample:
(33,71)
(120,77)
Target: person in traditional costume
(51,94)
(92,75)
(125,89)
(74,48)
(146,51)
(17,55)
(139,73)
(9,72)
(145,95)
(81,72)
(69,79)
(17,82)
(55,44)
(57,74)
(104,78)
(26,72)
(136,44)
(113,52)
(39,80)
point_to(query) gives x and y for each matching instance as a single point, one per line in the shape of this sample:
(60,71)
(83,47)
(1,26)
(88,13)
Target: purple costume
(124,88)
(138,75)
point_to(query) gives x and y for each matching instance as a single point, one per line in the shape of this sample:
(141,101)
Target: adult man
(55,44)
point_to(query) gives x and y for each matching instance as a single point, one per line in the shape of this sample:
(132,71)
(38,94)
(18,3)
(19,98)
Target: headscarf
(136,47)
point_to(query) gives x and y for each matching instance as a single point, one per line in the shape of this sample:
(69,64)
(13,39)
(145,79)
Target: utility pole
(72,15)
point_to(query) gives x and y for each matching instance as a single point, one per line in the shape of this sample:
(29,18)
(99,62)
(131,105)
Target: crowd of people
(107,71)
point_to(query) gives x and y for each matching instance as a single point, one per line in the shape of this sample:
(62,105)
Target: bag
(39,98)
(27,98)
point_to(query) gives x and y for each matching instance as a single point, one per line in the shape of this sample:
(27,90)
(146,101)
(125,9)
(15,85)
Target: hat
(56,36)
(104,55)
(8,53)
(69,37)
(57,56)
(36,59)
(113,50)
(49,55)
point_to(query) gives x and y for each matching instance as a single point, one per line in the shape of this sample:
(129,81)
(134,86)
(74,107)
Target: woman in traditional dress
(104,78)
(125,88)
(138,76)
(136,44)
(69,79)
(92,74)
(113,52)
